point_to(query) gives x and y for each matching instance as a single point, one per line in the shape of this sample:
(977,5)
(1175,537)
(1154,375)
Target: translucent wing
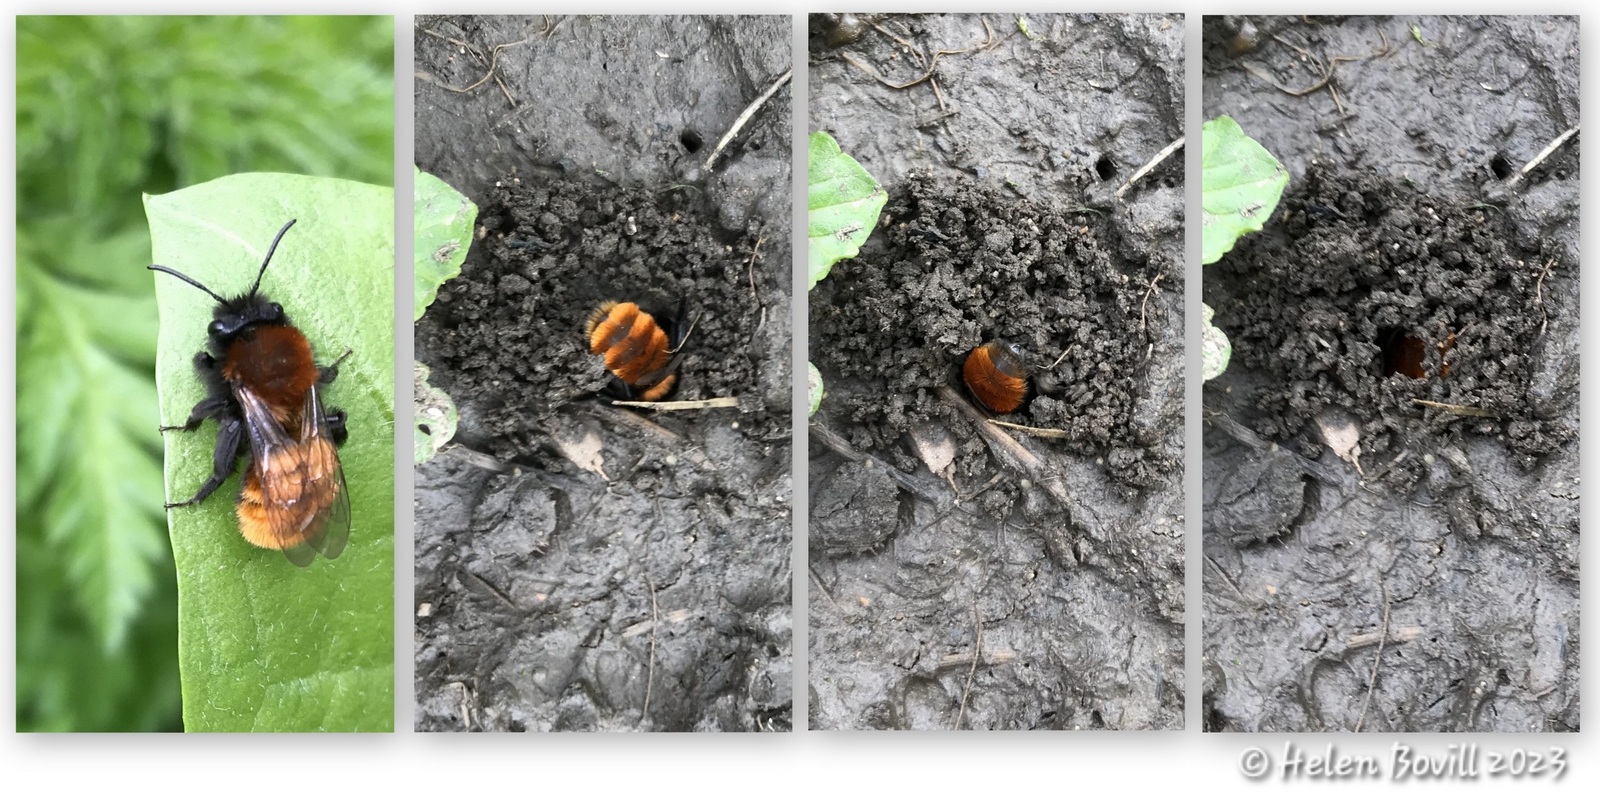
(294,497)
(335,521)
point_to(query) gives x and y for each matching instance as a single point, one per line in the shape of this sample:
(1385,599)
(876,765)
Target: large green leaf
(264,645)
(444,219)
(1240,186)
(844,201)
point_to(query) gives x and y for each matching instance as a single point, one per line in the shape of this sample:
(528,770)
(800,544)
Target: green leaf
(1215,349)
(436,416)
(844,202)
(1240,186)
(444,219)
(264,645)
(814,389)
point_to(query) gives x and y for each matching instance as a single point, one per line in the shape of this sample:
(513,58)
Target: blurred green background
(109,108)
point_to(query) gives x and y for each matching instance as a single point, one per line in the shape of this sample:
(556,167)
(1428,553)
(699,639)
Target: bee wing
(335,524)
(300,481)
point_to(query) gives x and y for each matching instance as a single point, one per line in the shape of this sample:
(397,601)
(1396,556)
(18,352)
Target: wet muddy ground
(581,566)
(965,576)
(1416,295)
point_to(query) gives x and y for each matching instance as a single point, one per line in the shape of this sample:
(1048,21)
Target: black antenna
(270,250)
(186,279)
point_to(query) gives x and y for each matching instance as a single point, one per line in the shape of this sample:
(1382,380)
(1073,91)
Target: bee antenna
(186,279)
(270,250)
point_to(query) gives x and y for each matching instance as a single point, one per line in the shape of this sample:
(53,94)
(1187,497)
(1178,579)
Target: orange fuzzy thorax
(275,363)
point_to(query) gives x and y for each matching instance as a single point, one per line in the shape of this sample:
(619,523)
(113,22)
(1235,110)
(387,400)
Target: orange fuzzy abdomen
(997,384)
(634,345)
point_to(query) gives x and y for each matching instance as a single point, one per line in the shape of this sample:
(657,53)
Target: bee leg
(334,419)
(224,460)
(329,373)
(618,389)
(210,407)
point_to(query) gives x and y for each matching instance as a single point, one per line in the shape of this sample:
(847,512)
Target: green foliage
(264,645)
(107,108)
(844,201)
(436,416)
(443,223)
(1240,186)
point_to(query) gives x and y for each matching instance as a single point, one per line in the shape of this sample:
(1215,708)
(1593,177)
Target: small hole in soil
(1105,168)
(690,140)
(425,430)
(1502,166)
(1402,353)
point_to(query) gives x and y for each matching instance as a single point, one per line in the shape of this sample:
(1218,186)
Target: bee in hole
(265,392)
(642,350)
(1405,354)
(996,376)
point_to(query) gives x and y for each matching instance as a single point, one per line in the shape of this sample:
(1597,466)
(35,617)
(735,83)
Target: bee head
(233,317)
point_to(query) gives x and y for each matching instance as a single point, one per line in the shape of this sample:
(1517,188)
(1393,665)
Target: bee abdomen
(996,376)
(636,348)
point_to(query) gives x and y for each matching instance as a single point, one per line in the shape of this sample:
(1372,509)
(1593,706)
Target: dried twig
(1543,154)
(1538,294)
(1147,293)
(1048,433)
(1464,411)
(1372,680)
(494,63)
(1149,166)
(655,619)
(933,66)
(679,406)
(977,651)
(749,111)
(750,266)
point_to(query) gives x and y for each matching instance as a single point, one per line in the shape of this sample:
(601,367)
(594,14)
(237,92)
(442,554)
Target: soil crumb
(958,264)
(1368,293)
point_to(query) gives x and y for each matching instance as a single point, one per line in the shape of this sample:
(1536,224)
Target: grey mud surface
(1030,583)
(652,592)
(1454,552)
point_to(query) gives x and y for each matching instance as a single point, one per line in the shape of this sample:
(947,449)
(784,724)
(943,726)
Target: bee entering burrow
(996,376)
(641,349)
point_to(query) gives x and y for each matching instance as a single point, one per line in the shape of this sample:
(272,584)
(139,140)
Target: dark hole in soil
(1329,295)
(1105,168)
(959,264)
(690,140)
(1402,353)
(1502,166)
(509,334)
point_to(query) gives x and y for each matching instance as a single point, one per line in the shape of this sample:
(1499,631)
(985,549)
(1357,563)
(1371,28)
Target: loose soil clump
(1356,269)
(961,264)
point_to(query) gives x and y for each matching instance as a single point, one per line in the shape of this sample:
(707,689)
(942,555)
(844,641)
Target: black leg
(334,420)
(224,460)
(331,372)
(210,407)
